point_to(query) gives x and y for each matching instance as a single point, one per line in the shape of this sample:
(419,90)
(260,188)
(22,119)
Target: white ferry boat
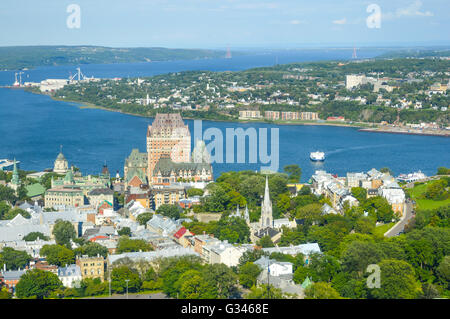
(317,156)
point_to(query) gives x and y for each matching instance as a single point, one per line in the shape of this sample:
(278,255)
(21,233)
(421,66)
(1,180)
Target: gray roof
(69,271)
(152,255)
(305,249)
(101,191)
(13,274)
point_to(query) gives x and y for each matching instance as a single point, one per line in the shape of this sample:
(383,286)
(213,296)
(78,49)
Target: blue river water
(32,127)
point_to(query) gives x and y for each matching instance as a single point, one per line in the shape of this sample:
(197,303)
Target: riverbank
(88,105)
(396,130)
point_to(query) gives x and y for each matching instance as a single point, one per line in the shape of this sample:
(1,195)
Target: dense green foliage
(37,284)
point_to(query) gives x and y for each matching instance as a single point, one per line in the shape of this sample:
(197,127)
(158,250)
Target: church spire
(266,219)
(15,175)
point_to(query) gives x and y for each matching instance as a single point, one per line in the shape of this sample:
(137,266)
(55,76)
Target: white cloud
(341,21)
(295,22)
(413,10)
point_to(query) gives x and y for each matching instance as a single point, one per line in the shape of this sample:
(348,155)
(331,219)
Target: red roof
(180,232)
(98,237)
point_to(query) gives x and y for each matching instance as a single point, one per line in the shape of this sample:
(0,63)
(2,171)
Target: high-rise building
(168,135)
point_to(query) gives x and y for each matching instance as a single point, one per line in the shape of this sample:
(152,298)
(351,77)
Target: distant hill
(417,53)
(19,57)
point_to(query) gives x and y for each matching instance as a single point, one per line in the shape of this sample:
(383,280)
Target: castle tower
(266,219)
(167,135)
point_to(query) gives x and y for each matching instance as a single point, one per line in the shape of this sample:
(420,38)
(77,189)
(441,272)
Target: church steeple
(15,175)
(266,219)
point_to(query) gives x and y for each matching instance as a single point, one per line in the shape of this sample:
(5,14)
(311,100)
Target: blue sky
(219,23)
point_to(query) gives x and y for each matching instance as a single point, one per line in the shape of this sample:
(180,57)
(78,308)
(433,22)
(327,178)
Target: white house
(70,275)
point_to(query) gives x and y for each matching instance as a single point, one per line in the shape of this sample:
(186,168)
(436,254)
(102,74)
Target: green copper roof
(35,190)
(15,176)
(69,177)
(306,283)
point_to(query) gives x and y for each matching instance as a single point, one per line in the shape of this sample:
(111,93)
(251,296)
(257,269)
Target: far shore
(362,126)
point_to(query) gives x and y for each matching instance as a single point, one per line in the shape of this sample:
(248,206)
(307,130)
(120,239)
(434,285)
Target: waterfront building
(167,135)
(272,115)
(249,114)
(309,116)
(289,116)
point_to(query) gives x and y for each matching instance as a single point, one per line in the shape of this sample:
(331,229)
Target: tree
(14,212)
(14,259)
(34,236)
(37,284)
(91,249)
(386,170)
(295,173)
(265,242)
(58,255)
(250,256)
(194,192)
(233,229)
(4,293)
(124,231)
(222,278)
(126,244)
(359,193)
(193,286)
(7,194)
(144,218)
(358,255)
(64,232)
(443,271)
(248,273)
(171,211)
(397,281)
(321,290)
(264,292)
(4,208)
(122,273)
(443,171)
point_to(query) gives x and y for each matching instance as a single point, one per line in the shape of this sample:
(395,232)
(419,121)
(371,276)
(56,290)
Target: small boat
(317,156)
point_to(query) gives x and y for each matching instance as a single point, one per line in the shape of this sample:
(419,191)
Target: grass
(380,230)
(416,194)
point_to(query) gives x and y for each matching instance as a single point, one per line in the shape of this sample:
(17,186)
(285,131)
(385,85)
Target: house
(91,267)
(70,275)
(11,277)
(277,268)
(180,236)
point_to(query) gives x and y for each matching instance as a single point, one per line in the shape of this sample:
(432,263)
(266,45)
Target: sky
(222,23)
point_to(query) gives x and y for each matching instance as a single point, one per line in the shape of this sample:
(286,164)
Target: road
(398,228)
(157,295)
